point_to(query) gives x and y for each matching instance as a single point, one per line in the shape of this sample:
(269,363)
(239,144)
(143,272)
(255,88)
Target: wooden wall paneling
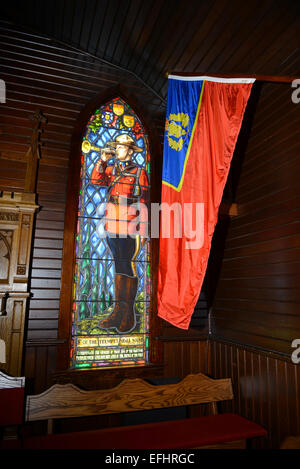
(293,384)
(64,330)
(284,257)
(232,370)
(277,179)
(275,33)
(59,81)
(266,388)
(190,357)
(281,393)
(275,154)
(257,295)
(263,391)
(269,101)
(259,187)
(252,222)
(222,36)
(41,362)
(12,175)
(232,52)
(199,356)
(273,397)
(245,384)
(16,222)
(255,309)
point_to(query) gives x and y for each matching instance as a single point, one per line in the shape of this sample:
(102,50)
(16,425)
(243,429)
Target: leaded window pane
(111,296)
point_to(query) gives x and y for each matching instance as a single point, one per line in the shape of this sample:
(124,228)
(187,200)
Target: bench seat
(132,395)
(176,434)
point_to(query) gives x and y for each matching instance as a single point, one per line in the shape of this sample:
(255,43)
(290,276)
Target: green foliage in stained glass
(95,289)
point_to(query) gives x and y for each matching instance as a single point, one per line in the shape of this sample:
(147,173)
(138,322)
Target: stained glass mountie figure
(111,296)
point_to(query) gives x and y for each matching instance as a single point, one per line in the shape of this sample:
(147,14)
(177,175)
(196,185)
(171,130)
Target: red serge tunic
(121,216)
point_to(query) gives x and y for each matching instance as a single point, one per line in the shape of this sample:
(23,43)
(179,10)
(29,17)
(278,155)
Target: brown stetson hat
(125,140)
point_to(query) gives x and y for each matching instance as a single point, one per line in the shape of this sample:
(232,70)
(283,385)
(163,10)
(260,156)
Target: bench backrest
(66,401)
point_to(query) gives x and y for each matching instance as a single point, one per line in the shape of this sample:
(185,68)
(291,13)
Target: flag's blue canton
(182,105)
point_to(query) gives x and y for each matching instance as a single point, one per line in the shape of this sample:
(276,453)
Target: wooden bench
(68,401)
(12,398)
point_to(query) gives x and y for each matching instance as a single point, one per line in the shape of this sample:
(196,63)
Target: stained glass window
(111,295)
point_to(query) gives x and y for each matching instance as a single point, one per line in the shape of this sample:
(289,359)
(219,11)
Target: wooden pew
(213,431)
(11,408)
(11,399)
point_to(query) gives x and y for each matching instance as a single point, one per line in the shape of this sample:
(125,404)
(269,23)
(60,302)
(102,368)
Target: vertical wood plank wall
(266,389)
(41,75)
(256,305)
(185,356)
(257,299)
(258,295)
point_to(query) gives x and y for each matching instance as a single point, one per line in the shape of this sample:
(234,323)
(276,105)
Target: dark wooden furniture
(11,408)
(11,399)
(68,401)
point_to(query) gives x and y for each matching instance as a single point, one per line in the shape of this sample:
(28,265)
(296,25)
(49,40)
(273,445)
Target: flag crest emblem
(203,120)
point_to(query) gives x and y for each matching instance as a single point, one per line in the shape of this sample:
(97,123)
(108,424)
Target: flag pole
(264,78)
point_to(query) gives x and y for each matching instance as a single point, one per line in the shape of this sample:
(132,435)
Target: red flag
(204,117)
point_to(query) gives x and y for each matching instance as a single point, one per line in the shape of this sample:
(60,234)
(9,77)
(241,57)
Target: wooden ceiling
(150,37)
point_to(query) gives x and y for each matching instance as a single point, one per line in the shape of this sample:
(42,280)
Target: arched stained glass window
(111,295)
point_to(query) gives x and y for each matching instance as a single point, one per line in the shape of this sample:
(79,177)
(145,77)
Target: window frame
(73,187)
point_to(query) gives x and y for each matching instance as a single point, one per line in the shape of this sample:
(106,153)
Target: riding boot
(125,292)
(128,320)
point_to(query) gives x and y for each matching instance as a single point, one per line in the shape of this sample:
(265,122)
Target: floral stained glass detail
(111,290)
